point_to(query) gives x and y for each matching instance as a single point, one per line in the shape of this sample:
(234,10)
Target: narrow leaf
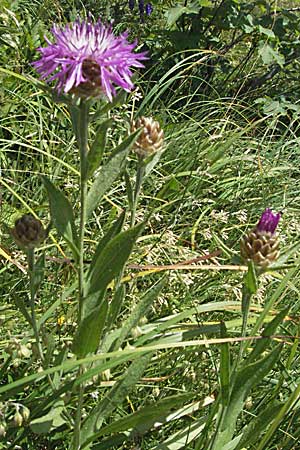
(245,380)
(139,311)
(111,259)
(89,333)
(62,215)
(113,399)
(95,153)
(113,231)
(109,172)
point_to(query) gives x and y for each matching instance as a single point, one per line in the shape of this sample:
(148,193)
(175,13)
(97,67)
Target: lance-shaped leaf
(245,380)
(111,259)
(88,335)
(95,153)
(62,215)
(112,400)
(109,172)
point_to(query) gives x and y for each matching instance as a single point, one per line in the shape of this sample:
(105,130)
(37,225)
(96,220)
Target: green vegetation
(178,342)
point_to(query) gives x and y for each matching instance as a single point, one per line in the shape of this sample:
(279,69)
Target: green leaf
(245,380)
(113,231)
(52,420)
(88,335)
(257,426)
(115,306)
(269,330)
(96,151)
(224,368)
(112,400)
(250,279)
(266,31)
(109,172)
(173,14)
(269,55)
(111,259)
(62,215)
(143,419)
(139,311)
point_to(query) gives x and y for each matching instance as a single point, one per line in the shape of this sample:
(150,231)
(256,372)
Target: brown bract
(261,247)
(28,232)
(151,138)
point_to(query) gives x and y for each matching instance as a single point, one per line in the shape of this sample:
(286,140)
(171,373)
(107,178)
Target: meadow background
(223,81)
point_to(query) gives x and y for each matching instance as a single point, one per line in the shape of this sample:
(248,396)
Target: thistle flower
(151,138)
(88,59)
(261,244)
(28,232)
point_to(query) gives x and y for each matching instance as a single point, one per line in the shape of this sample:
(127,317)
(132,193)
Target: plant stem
(31,269)
(139,180)
(82,137)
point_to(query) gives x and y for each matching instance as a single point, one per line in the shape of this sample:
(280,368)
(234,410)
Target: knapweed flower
(151,138)
(261,244)
(88,59)
(28,232)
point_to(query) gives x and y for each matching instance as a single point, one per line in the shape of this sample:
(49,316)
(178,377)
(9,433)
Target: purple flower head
(131,4)
(148,9)
(88,59)
(268,221)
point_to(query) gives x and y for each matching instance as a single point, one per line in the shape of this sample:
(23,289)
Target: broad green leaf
(173,14)
(269,55)
(88,335)
(95,153)
(109,172)
(266,31)
(53,419)
(111,259)
(62,215)
(112,400)
(245,380)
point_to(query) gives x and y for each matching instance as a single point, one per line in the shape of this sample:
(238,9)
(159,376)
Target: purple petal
(268,221)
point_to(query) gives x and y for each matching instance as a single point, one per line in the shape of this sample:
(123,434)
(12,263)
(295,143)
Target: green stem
(82,137)
(31,269)
(139,181)
(246,299)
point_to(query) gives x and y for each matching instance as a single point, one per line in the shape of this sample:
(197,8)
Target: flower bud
(151,138)
(261,245)
(28,232)
(18,419)
(2,429)
(25,413)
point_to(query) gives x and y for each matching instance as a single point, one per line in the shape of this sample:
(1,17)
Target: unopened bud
(18,419)
(25,413)
(2,429)
(136,332)
(28,232)
(261,245)
(151,138)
